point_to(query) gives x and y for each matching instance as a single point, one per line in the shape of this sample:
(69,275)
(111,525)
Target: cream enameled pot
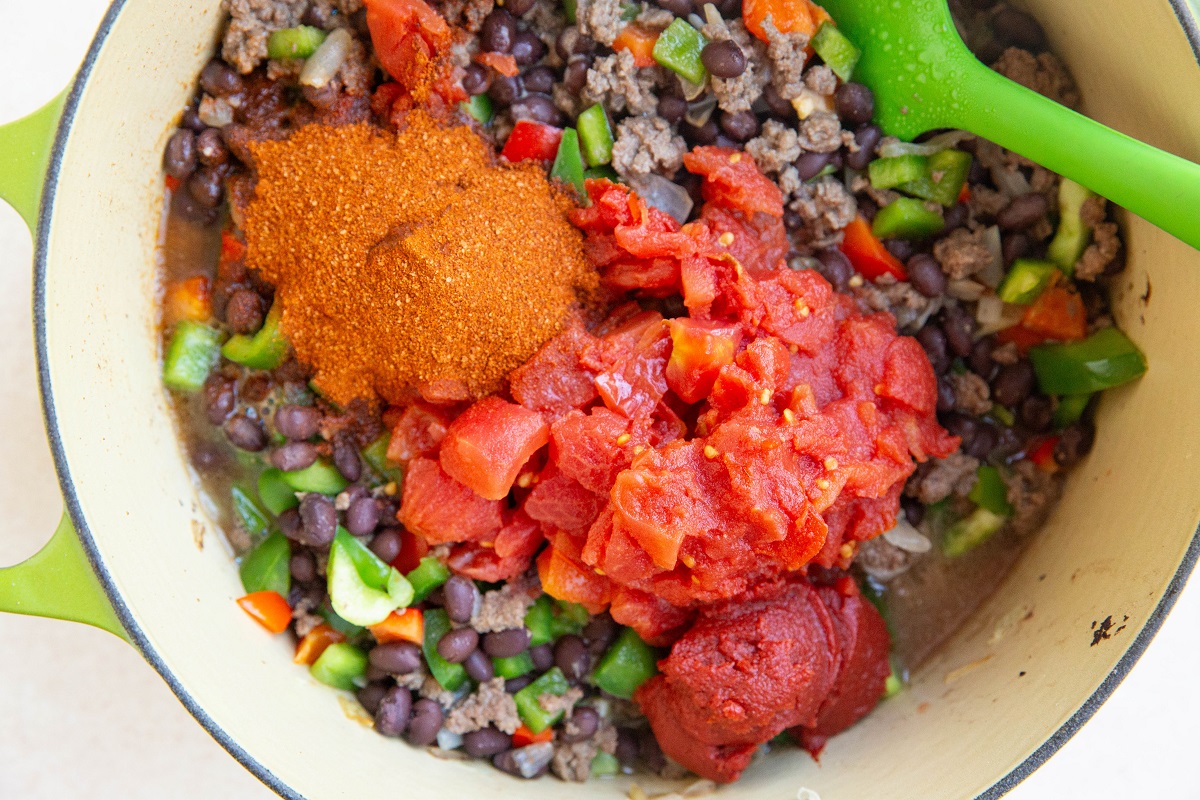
(1007,691)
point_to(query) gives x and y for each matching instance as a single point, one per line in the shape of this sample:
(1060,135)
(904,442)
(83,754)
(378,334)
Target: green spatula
(924,78)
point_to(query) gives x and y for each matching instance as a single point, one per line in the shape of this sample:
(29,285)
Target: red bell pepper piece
(522,736)
(268,609)
(868,255)
(401,626)
(1058,315)
(531,140)
(309,649)
(1043,454)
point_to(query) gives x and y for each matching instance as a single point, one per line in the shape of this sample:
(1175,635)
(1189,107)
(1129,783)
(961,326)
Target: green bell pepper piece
(570,618)
(376,457)
(595,135)
(264,350)
(948,171)
(191,355)
(568,163)
(362,589)
(299,42)
(536,718)
(604,172)
(991,492)
(342,666)
(1105,359)
(605,764)
(275,492)
(347,629)
(1073,235)
(905,218)
(1070,410)
(569,9)
(428,575)
(630,11)
(839,53)
(1026,281)
(479,107)
(1002,415)
(320,477)
(893,685)
(888,173)
(513,666)
(266,567)
(539,619)
(967,534)
(678,49)
(370,567)
(252,518)
(628,664)
(450,676)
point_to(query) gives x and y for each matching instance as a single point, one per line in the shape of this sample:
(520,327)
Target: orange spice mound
(411,262)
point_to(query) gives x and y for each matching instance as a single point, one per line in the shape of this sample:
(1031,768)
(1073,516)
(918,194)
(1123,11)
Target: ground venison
(740,93)
(251,23)
(468,14)
(776,147)
(1032,492)
(432,690)
(910,308)
(883,560)
(330,14)
(939,478)
(826,208)
(821,80)
(619,85)
(647,144)
(488,705)
(962,253)
(787,53)
(654,17)
(971,393)
(573,762)
(821,132)
(1106,240)
(503,608)
(554,703)
(1044,73)
(600,19)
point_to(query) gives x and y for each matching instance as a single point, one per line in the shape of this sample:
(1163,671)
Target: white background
(82,716)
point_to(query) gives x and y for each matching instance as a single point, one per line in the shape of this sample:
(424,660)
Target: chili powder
(413,261)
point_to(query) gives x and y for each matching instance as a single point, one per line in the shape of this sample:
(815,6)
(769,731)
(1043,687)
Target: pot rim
(1189,20)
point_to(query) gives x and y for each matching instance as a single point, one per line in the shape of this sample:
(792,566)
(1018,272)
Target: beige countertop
(82,716)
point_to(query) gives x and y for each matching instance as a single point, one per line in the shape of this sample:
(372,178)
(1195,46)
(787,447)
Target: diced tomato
(639,41)
(384,98)
(418,432)
(561,502)
(503,63)
(504,558)
(268,609)
(698,351)
(964,196)
(309,649)
(232,248)
(523,736)
(565,577)
(412,549)
(401,626)
(190,299)
(172,183)
(533,141)
(440,509)
(592,448)
(868,255)
(732,180)
(395,26)
(488,444)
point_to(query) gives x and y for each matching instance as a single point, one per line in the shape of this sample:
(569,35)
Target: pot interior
(1048,646)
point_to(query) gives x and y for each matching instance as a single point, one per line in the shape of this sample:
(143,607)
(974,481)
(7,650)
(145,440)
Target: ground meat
(775,148)
(971,393)
(1007,353)
(986,203)
(939,478)
(303,617)
(910,308)
(547,19)
(330,14)
(600,19)
(962,253)
(565,100)
(433,690)
(821,132)
(882,197)
(414,680)
(503,608)
(826,208)
(355,75)
(647,144)
(787,54)
(618,84)
(821,80)
(740,93)
(573,762)
(1106,240)
(489,705)
(251,23)
(654,17)
(553,703)
(882,560)
(1032,492)
(1043,73)
(286,70)
(467,14)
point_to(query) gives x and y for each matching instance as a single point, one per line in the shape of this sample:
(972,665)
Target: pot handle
(25,146)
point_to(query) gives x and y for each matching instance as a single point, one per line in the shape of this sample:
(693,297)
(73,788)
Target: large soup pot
(1007,691)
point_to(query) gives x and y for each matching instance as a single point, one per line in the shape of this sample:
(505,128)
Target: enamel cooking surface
(1010,687)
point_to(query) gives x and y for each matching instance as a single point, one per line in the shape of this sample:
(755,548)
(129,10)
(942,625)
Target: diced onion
(322,65)
(990,310)
(449,741)
(965,289)
(667,196)
(890,148)
(1009,316)
(215,112)
(904,536)
(993,273)
(1011,182)
(712,16)
(698,113)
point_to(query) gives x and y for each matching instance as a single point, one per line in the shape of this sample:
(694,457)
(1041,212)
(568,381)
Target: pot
(136,553)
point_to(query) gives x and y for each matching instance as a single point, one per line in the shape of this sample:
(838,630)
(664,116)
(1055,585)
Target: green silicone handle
(59,583)
(24,153)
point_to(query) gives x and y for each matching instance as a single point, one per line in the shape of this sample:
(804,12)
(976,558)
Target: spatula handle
(1159,187)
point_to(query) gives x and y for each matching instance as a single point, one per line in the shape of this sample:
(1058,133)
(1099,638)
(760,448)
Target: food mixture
(590,386)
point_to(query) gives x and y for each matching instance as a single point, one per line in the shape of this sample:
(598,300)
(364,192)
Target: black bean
(571,655)
(914,512)
(1037,412)
(303,566)
(780,109)
(179,157)
(297,422)
(702,135)
(1014,246)
(1074,443)
(479,667)
(600,632)
(371,695)
(486,742)
(680,8)
(218,79)
(671,108)
(926,276)
(375,674)
(902,249)
(461,595)
(543,657)
(245,433)
(537,107)
(395,711)
(724,59)
(1019,28)
(836,268)
(506,644)
(575,74)
(1023,212)
(504,90)
(539,80)
(396,658)
(961,425)
(584,722)
(980,361)
(211,149)
(457,644)
(946,396)
(205,187)
(866,206)
(629,747)
(186,207)
(956,216)
(741,126)
(387,544)
(244,311)
(320,520)
(191,120)
(219,398)
(291,525)
(960,330)
(498,31)
(1013,383)
(436,598)
(933,339)
(426,722)
(363,515)
(730,9)
(855,103)
(514,685)
(518,7)
(982,442)
(294,456)
(867,138)
(476,79)
(346,458)
(527,48)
